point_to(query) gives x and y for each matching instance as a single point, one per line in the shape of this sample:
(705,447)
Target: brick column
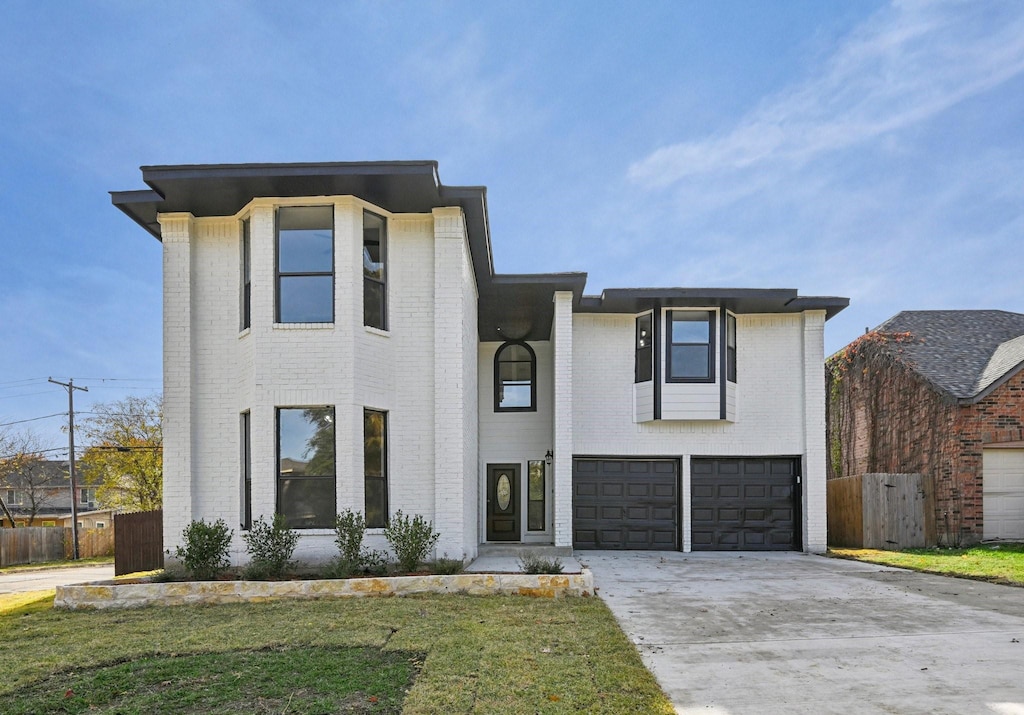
(561,337)
(815,536)
(177,231)
(449,417)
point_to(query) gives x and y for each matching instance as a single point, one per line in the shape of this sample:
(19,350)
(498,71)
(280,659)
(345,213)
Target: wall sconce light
(548,457)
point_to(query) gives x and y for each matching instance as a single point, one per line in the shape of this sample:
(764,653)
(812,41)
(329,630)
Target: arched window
(515,378)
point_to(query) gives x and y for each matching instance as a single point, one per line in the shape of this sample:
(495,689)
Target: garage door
(746,504)
(625,504)
(1003,493)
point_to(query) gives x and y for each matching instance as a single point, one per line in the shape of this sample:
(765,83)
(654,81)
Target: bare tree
(25,471)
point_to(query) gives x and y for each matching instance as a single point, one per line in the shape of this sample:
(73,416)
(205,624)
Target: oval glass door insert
(504,491)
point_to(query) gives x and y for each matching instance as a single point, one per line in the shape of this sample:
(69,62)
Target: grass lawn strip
(480,654)
(296,680)
(998,563)
(49,565)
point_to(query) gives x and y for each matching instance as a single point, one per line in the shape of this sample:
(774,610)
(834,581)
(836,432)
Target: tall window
(246,276)
(515,378)
(305,264)
(644,370)
(535,511)
(374,271)
(246,460)
(306,466)
(730,347)
(691,342)
(375,467)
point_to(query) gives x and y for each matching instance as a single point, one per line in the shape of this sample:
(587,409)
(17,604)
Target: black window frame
(644,350)
(730,347)
(530,501)
(245,435)
(710,344)
(371,284)
(279,274)
(380,480)
(246,297)
(532,407)
(280,477)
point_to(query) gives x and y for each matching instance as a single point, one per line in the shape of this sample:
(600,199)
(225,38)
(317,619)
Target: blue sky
(864,149)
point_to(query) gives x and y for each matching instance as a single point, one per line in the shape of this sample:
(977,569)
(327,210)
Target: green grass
(999,563)
(42,566)
(442,654)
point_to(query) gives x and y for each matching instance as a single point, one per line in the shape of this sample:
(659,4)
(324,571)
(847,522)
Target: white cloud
(905,64)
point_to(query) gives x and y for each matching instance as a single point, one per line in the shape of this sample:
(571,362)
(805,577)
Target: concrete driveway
(730,634)
(20,581)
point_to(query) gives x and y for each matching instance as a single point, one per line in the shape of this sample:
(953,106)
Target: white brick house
(335,337)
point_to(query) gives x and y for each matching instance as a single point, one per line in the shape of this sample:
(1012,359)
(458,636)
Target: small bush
(270,549)
(349,528)
(411,539)
(205,554)
(446,566)
(533,564)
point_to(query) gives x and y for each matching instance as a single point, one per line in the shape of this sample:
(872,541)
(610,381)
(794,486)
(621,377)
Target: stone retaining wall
(111,594)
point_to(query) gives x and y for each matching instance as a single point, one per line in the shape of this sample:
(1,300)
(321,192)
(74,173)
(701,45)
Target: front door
(503,502)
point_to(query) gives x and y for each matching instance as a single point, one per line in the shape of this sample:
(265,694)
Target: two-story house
(336,337)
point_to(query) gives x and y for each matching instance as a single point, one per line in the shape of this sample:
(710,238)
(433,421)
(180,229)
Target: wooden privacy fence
(31,545)
(138,542)
(91,542)
(36,544)
(880,511)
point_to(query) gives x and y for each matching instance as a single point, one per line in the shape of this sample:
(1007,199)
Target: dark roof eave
(738,300)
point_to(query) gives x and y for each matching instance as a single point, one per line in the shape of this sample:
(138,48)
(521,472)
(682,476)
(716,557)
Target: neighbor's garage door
(625,504)
(1003,493)
(748,504)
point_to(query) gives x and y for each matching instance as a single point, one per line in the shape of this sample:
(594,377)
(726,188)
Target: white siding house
(335,337)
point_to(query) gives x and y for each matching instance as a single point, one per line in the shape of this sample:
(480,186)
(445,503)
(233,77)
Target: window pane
(513,353)
(644,364)
(306,251)
(690,361)
(373,443)
(535,520)
(307,503)
(306,442)
(690,328)
(376,503)
(643,331)
(291,218)
(515,371)
(515,395)
(306,299)
(373,303)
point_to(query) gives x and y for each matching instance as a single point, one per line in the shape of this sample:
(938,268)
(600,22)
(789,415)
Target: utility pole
(70,387)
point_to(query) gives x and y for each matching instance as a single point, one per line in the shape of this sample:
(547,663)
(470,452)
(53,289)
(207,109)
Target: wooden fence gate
(880,511)
(138,542)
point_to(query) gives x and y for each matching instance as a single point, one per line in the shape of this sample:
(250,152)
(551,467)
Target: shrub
(270,548)
(205,553)
(534,564)
(349,528)
(446,566)
(411,539)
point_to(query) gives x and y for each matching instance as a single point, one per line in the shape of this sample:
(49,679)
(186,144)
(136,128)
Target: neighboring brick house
(336,337)
(940,393)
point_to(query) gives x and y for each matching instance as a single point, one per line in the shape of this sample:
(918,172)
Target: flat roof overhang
(737,300)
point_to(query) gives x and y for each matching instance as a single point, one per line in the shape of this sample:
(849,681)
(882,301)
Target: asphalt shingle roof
(962,352)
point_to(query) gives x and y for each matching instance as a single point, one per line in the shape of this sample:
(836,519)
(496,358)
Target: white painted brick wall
(777,401)
(563,335)
(213,372)
(516,437)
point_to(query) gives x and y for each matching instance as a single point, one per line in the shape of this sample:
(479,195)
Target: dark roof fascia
(140,207)
(996,384)
(161,172)
(737,300)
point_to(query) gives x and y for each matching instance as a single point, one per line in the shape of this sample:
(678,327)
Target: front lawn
(424,654)
(47,565)
(999,563)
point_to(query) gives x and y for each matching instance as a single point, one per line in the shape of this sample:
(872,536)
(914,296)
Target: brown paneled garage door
(625,503)
(749,504)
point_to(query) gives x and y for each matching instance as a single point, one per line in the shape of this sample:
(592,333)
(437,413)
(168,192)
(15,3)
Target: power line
(22,381)
(25,394)
(33,419)
(34,451)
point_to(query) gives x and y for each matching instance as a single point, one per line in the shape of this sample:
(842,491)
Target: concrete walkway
(24,580)
(730,634)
